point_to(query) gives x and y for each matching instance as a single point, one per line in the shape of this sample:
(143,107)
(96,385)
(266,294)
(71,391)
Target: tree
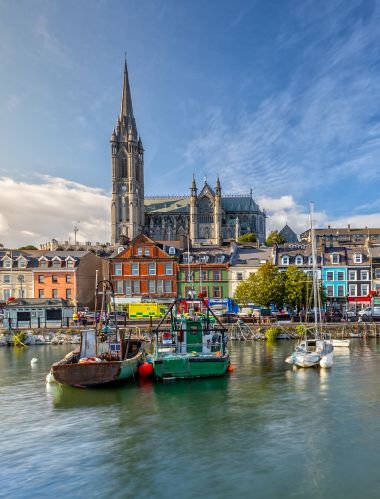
(29,247)
(296,287)
(275,238)
(264,288)
(247,238)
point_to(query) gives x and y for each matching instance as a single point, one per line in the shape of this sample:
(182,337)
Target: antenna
(75,232)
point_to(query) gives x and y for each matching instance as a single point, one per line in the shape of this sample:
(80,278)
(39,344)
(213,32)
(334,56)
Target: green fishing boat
(193,346)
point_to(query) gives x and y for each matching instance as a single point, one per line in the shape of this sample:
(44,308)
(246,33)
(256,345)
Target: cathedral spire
(126,99)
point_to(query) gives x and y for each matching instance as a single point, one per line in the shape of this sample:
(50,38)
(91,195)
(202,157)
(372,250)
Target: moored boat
(195,346)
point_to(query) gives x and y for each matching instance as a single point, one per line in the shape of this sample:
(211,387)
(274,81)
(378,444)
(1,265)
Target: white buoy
(33,361)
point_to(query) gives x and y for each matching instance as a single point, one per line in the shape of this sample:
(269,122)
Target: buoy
(145,369)
(33,361)
(50,378)
(230,368)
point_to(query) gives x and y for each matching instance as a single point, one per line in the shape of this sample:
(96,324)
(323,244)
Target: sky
(282,97)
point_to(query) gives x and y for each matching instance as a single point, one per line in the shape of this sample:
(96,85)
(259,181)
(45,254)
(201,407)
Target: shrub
(300,330)
(272,333)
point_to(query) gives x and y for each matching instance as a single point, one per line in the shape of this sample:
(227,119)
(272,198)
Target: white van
(369,312)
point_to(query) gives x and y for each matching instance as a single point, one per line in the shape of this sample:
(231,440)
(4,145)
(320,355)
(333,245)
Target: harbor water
(267,430)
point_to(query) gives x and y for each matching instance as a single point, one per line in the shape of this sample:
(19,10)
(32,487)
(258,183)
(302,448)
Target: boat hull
(97,373)
(195,367)
(341,343)
(306,359)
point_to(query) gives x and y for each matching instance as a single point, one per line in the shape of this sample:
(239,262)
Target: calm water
(265,431)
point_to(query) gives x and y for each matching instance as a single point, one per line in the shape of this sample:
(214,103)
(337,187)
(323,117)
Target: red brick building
(145,271)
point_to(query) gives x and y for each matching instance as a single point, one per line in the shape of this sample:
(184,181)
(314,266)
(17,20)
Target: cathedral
(206,215)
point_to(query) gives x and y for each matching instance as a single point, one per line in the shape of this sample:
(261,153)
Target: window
(70,263)
(128,287)
(188,292)
(119,287)
(118,269)
(54,293)
(41,278)
(22,263)
(7,294)
(352,290)
(204,290)
(334,258)
(57,264)
(168,269)
(41,293)
(239,276)
(352,275)
(147,251)
(152,268)
(203,275)
(7,279)
(340,290)
(167,286)
(185,258)
(203,258)
(189,276)
(216,292)
(135,287)
(329,276)
(219,258)
(329,290)
(285,260)
(171,250)
(139,251)
(364,289)
(358,258)
(22,293)
(54,278)
(377,273)
(299,260)
(159,286)
(151,286)
(135,269)
(340,276)
(7,263)
(364,275)
(217,276)
(68,294)
(68,278)
(310,260)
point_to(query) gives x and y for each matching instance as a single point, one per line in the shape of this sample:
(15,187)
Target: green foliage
(19,338)
(296,286)
(247,238)
(272,333)
(262,288)
(300,330)
(275,238)
(29,247)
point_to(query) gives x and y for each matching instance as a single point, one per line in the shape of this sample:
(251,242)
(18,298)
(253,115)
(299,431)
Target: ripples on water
(267,430)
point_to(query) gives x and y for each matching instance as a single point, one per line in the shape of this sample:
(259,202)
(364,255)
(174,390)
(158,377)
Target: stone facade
(208,217)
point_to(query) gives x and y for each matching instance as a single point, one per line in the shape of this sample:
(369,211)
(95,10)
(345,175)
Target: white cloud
(34,213)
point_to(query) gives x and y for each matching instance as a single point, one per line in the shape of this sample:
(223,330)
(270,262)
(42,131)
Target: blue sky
(279,96)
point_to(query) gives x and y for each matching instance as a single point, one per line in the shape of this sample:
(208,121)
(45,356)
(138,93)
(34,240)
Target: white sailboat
(317,351)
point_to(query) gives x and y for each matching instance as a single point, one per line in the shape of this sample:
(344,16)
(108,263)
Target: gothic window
(123,166)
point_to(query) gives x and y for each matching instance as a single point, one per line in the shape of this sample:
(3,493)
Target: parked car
(369,312)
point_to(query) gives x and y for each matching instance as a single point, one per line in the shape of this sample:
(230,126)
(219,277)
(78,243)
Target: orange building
(70,275)
(145,271)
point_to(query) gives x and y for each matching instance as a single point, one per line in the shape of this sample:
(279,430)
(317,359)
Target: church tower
(127,208)
(218,213)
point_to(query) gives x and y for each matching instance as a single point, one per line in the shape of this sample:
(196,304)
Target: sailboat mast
(315,275)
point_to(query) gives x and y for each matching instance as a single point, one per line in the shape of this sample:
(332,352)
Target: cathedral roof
(180,204)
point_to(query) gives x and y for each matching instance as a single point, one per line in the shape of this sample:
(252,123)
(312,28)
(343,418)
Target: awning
(359,299)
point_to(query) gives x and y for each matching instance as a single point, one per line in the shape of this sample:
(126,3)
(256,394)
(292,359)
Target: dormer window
(147,251)
(299,260)
(7,262)
(43,263)
(139,251)
(203,258)
(69,263)
(285,260)
(335,258)
(358,258)
(171,250)
(219,258)
(310,260)
(57,263)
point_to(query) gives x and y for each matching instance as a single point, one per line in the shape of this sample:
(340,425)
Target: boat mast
(315,275)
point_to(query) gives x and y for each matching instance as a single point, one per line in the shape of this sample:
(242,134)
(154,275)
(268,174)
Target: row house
(298,254)
(204,270)
(69,275)
(246,259)
(16,275)
(144,271)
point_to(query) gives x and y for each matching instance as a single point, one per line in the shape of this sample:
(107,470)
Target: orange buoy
(230,368)
(145,369)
